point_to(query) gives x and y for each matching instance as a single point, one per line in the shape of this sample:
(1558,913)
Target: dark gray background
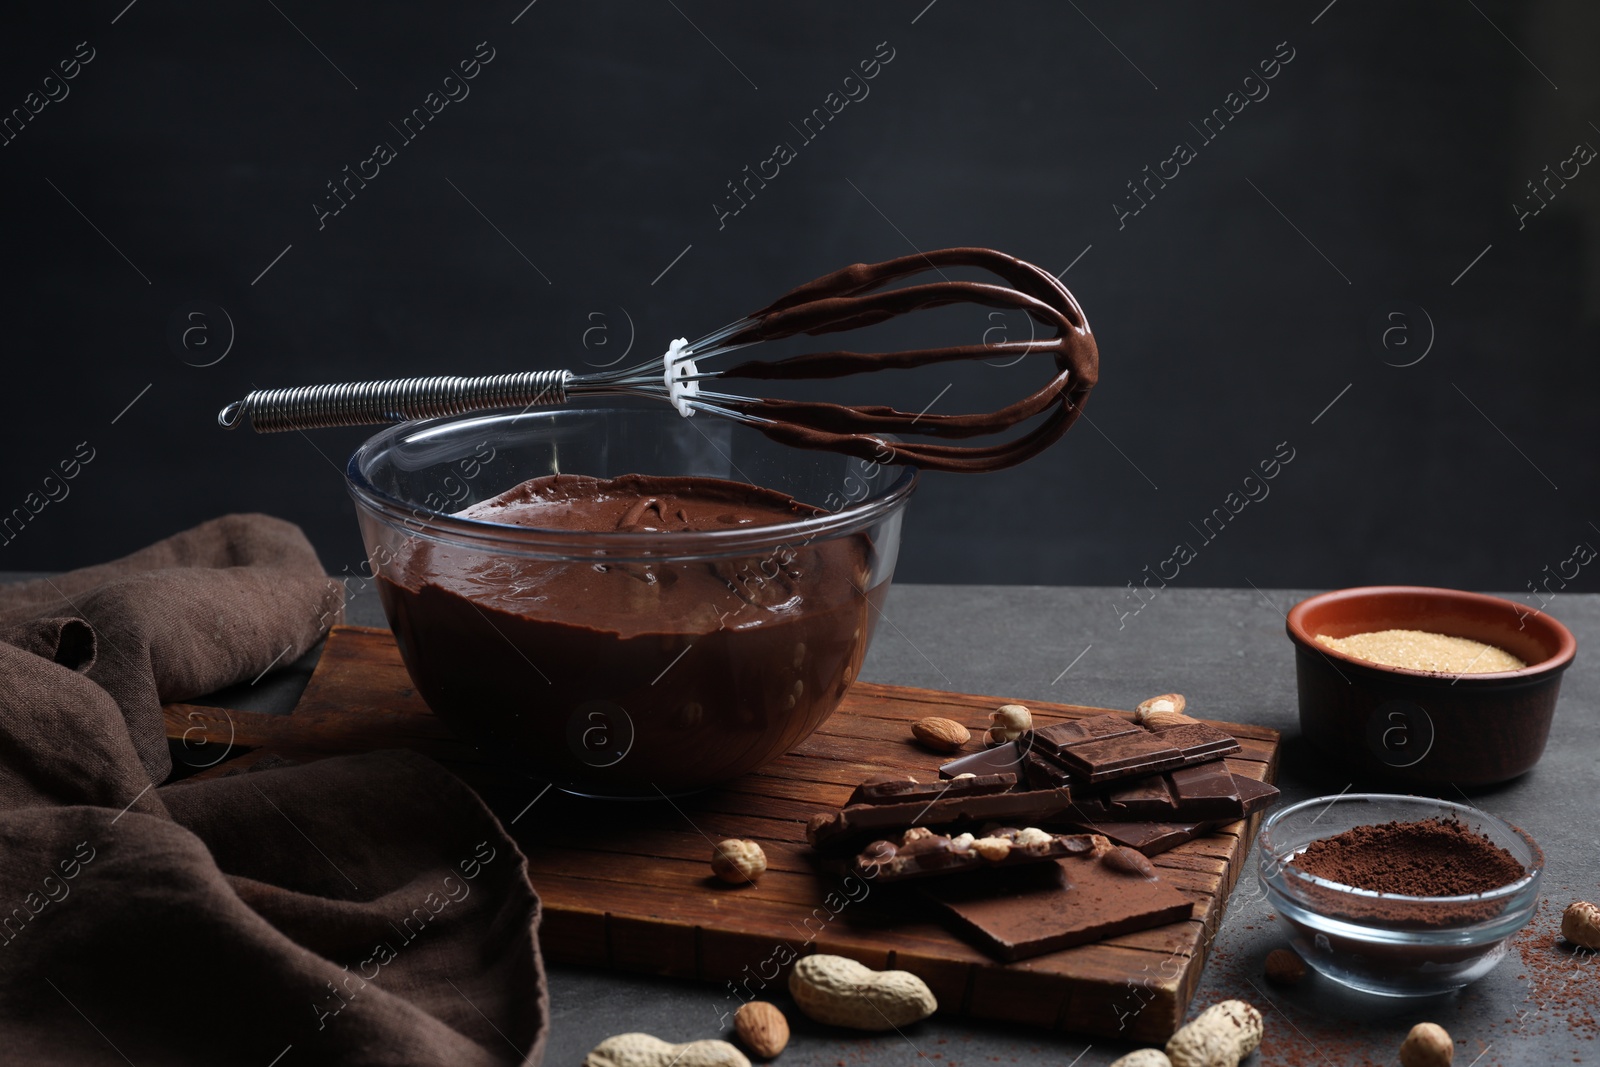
(1377,179)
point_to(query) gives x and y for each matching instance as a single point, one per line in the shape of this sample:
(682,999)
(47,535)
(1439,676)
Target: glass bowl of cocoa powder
(1399,895)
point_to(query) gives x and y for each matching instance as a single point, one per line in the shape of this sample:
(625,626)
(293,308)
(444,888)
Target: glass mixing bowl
(1386,943)
(700,655)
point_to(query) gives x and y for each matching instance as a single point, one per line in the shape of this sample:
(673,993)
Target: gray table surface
(1225,649)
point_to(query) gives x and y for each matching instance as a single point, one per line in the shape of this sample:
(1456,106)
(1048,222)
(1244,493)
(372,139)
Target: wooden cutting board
(627,885)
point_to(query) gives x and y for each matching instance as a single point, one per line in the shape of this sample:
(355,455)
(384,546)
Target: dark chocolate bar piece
(1150,797)
(1198,741)
(1001,759)
(1058,738)
(858,822)
(1105,748)
(922,853)
(1256,795)
(1207,792)
(1042,773)
(1121,756)
(1203,782)
(1036,909)
(898,788)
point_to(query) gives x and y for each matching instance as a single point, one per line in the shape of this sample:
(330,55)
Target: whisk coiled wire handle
(366,403)
(846,299)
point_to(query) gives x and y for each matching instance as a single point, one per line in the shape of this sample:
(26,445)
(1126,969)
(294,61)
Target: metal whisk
(847,298)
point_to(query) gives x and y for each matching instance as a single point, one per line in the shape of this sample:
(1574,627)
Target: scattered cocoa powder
(1429,858)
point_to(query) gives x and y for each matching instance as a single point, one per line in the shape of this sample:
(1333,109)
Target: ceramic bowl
(1416,727)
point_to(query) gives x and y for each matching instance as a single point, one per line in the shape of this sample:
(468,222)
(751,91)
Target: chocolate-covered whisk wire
(855,296)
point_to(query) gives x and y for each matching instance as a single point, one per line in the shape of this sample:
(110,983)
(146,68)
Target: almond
(941,735)
(1125,860)
(762,1028)
(1285,967)
(1164,710)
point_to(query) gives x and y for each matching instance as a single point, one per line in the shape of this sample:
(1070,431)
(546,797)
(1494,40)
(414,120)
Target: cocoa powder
(1429,858)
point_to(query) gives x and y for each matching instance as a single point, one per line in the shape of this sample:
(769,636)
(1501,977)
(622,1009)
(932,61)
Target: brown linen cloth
(361,910)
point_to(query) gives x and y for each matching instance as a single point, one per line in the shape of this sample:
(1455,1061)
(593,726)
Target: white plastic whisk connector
(681,376)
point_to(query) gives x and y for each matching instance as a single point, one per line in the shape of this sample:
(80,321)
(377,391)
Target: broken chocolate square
(1018,914)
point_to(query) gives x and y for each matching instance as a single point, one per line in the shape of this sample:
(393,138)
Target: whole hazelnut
(1580,924)
(1009,722)
(736,860)
(1427,1045)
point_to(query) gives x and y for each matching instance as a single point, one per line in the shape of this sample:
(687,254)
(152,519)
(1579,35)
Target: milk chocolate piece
(856,822)
(921,854)
(898,788)
(1032,910)
(1001,759)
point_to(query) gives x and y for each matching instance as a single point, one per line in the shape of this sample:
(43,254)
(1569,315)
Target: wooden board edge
(746,965)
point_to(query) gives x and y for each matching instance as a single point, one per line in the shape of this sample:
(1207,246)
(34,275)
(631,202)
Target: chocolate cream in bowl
(635,676)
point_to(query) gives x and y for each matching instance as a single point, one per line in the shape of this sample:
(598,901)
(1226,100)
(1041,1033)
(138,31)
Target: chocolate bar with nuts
(858,822)
(921,853)
(898,788)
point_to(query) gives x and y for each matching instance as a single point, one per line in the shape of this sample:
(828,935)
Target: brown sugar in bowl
(1418,727)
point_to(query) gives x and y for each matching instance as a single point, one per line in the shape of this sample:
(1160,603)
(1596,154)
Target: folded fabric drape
(360,910)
